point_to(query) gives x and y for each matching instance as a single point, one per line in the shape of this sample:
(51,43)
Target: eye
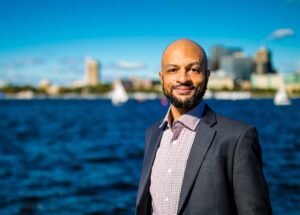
(196,70)
(172,70)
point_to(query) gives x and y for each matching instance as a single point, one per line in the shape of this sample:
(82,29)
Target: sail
(118,95)
(281,97)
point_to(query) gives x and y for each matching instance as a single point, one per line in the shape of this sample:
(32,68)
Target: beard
(187,103)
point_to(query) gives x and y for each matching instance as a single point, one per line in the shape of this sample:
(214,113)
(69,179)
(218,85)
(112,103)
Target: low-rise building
(44,84)
(141,83)
(266,81)
(292,82)
(53,90)
(220,80)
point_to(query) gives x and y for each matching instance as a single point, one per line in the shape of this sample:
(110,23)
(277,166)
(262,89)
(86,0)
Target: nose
(183,76)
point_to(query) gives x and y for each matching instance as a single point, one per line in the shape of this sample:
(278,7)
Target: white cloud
(127,65)
(71,61)
(281,33)
(15,77)
(21,62)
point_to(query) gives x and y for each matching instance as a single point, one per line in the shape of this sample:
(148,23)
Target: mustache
(186,84)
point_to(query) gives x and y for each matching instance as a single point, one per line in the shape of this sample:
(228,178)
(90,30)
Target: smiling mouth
(183,90)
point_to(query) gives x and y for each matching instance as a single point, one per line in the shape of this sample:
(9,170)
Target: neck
(178,112)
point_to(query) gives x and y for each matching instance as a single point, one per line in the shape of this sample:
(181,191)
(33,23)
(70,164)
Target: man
(197,161)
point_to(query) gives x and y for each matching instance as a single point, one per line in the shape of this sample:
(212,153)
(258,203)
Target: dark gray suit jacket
(223,175)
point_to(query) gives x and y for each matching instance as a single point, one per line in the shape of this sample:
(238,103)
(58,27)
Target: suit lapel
(149,159)
(203,139)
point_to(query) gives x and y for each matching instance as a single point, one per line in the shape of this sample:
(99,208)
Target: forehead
(182,55)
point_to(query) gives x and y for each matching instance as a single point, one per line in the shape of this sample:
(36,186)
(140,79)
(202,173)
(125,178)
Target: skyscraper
(91,71)
(218,52)
(263,64)
(238,66)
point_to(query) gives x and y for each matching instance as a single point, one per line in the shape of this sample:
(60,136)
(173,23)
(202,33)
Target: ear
(208,73)
(161,77)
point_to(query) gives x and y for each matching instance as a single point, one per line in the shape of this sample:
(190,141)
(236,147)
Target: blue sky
(50,39)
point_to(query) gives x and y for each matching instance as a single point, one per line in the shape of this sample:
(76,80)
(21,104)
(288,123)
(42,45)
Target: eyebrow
(171,65)
(189,65)
(194,63)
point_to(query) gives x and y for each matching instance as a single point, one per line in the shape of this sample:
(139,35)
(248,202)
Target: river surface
(85,156)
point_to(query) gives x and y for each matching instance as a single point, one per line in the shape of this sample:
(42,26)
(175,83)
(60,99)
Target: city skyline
(44,40)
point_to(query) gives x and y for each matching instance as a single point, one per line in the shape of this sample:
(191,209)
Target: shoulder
(236,137)
(228,123)
(236,130)
(229,127)
(223,123)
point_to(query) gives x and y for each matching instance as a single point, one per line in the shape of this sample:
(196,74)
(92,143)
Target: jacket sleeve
(250,188)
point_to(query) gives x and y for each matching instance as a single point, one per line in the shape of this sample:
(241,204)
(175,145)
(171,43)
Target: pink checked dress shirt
(170,161)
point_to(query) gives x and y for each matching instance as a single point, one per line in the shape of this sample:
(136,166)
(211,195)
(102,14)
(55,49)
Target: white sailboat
(281,97)
(208,94)
(118,95)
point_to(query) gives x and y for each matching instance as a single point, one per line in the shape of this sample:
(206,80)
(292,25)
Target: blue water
(85,156)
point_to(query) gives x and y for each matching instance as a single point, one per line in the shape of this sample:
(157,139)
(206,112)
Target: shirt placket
(170,167)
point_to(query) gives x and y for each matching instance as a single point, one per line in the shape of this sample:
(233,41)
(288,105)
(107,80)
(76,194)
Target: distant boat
(25,95)
(281,97)
(208,94)
(118,95)
(140,96)
(232,95)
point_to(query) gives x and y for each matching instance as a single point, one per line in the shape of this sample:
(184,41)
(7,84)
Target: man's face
(184,76)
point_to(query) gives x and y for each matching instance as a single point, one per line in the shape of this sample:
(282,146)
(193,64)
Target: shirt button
(166,199)
(169,170)
(174,142)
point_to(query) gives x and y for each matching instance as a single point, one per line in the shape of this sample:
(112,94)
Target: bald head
(184,75)
(184,47)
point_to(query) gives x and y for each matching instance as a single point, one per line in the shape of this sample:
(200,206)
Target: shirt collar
(190,119)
